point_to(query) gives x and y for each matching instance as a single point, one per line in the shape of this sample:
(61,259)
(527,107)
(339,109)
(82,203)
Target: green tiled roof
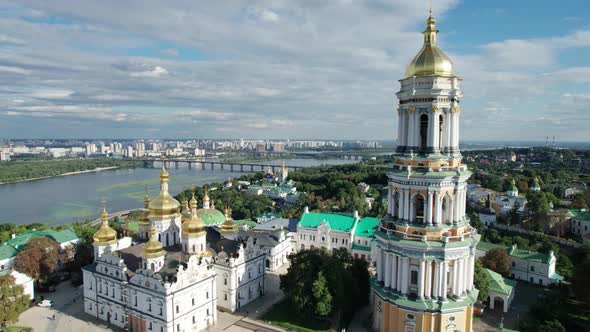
(485,246)
(7,251)
(499,284)
(529,255)
(335,221)
(359,247)
(211,216)
(525,254)
(21,240)
(246,222)
(366,227)
(582,214)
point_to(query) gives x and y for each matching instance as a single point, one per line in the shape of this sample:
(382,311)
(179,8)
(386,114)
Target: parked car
(45,303)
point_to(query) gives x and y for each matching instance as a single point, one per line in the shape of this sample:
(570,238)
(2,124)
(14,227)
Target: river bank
(98,169)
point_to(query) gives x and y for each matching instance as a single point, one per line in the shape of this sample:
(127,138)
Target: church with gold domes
(424,248)
(180,273)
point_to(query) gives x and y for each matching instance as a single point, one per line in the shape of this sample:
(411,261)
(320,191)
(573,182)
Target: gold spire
(105,234)
(228,226)
(146,199)
(185,212)
(206,196)
(193,203)
(153,248)
(194,226)
(431,60)
(164,204)
(212,204)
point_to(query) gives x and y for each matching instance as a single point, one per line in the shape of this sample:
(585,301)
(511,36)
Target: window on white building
(193,299)
(177,309)
(225,281)
(207,295)
(225,297)
(194,320)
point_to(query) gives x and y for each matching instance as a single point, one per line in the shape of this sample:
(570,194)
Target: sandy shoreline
(98,169)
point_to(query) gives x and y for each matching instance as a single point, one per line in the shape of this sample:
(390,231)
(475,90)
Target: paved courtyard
(67,313)
(526,295)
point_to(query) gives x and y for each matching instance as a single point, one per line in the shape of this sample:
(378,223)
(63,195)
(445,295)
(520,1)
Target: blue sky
(285,69)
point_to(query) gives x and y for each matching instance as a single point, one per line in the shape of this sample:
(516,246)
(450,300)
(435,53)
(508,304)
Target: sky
(285,68)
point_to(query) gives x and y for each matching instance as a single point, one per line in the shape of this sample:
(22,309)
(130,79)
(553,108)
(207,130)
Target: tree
(537,203)
(84,232)
(39,258)
(322,296)
(13,301)
(481,281)
(497,260)
(551,326)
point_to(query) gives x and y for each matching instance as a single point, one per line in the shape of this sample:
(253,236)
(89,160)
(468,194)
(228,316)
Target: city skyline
(286,70)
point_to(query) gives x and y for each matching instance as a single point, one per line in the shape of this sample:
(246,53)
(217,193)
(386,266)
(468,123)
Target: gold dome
(164,204)
(206,196)
(153,248)
(194,226)
(105,234)
(228,226)
(431,60)
(184,211)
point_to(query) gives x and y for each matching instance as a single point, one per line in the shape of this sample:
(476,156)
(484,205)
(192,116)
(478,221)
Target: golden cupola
(105,235)
(194,226)
(185,212)
(146,204)
(229,226)
(206,199)
(431,60)
(153,248)
(164,204)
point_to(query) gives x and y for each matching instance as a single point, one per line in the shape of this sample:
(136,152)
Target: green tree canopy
(322,296)
(13,301)
(481,281)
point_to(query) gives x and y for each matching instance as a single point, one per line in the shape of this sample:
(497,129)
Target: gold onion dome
(431,60)
(206,196)
(153,248)
(194,226)
(164,204)
(185,212)
(228,226)
(105,234)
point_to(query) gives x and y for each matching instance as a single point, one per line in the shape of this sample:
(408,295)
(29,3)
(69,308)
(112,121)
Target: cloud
(52,94)
(157,71)
(269,16)
(290,68)
(170,51)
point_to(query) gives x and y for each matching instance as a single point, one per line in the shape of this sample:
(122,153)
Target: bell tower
(425,247)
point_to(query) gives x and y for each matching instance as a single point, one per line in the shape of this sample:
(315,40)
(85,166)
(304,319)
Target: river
(66,199)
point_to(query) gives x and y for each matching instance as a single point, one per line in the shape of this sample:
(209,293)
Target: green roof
(359,247)
(525,254)
(485,246)
(529,255)
(21,240)
(366,227)
(335,221)
(211,216)
(499,284)
(582,214)
(7,251)
(246,222)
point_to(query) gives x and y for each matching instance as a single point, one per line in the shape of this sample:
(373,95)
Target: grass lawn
(19,329)
(284,315)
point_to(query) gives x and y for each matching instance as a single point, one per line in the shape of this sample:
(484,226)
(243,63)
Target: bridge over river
(220,164)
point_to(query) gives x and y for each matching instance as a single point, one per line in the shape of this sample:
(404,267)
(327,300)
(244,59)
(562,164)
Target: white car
(45,303)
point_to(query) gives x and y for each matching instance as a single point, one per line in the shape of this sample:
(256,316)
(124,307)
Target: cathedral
(424,248)
(179,275)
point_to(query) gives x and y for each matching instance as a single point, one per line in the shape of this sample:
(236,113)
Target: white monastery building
(177,278)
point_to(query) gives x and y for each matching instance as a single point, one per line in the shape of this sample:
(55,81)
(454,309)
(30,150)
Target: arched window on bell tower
(419,208)
(440,133)
(423,132)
